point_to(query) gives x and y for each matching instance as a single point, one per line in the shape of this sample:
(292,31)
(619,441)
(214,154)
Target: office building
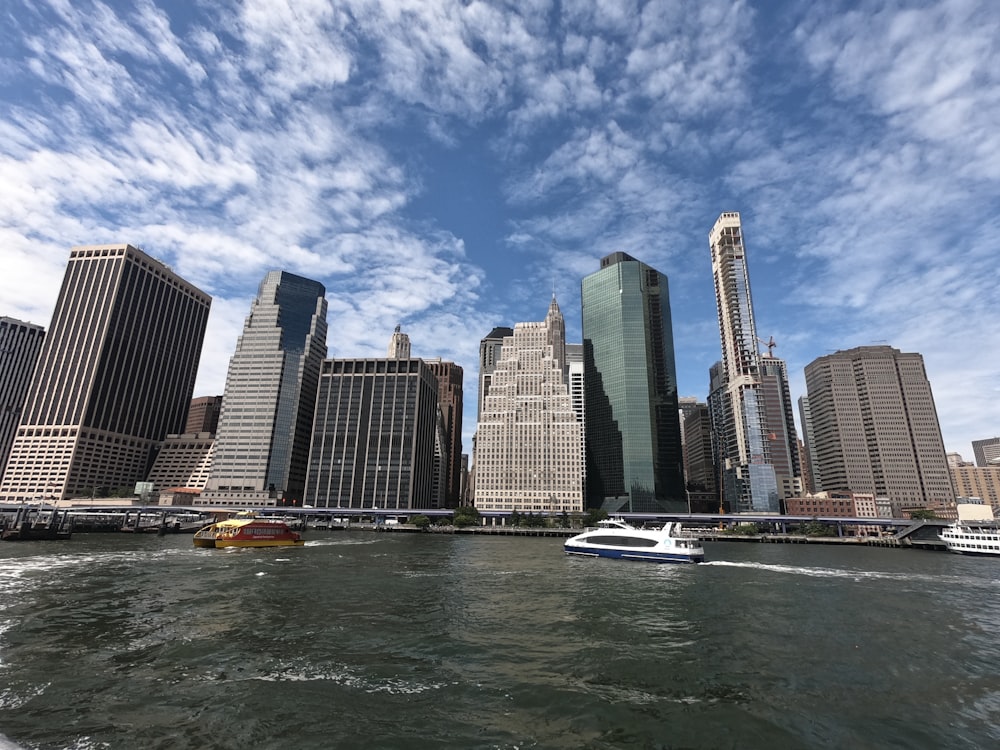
(756,431)
(779,426)
(635,461)
(987,452)
(528,451)
(114,376)
(808,456)
(373,436)
(203,415)
(699,463)
(875,427)
(182,462)
(262,443)
(981,482)
(20,344)
(489,354)
(399,345)
(450,402)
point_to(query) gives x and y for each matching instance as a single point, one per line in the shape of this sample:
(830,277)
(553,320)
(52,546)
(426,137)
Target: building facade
(373,436)
(987,452)
(699,464)
(875,427)
(635,460)
(114,376)
(758,446)
(528,450)
(982,482)
(203,415)
(20,345)
(183,462)
(450,402)
(262,444)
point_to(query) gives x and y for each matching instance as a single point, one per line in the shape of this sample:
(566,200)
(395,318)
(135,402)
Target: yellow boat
(247,529)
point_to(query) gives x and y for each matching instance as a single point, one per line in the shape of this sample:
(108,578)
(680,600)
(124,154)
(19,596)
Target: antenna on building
(770,344)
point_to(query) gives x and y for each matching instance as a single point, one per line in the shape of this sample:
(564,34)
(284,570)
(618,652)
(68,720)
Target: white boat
(613,537)
(972,537)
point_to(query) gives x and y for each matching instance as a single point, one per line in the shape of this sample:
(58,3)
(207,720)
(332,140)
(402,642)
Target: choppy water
(417,641)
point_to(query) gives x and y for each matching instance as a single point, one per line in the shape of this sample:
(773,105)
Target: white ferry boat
(974,533)
(615,538)
(972,538)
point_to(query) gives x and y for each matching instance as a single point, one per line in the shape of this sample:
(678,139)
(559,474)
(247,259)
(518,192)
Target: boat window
(622,541)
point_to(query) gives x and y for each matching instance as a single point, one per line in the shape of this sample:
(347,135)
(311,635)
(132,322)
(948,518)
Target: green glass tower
(634,458)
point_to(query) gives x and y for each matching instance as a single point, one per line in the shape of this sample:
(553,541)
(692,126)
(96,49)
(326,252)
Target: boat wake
(841,573)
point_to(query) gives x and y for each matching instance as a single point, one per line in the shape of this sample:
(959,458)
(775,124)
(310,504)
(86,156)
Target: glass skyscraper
(635,461)
(262,446)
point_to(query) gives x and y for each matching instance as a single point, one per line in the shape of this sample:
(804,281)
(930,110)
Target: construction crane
(770,344)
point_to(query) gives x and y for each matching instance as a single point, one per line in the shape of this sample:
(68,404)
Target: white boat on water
(972,538)
(615,538)
(975,532)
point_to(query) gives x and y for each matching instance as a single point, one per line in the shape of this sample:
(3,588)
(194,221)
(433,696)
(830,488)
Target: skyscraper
(114,376)
(635,462)
(203,415)
(373,436)
(528,454)
(810,479)
(875,427)
(489,354)
(987,452)
(758,447)
(20,344)
(262,445)
(449,377)
(399,345)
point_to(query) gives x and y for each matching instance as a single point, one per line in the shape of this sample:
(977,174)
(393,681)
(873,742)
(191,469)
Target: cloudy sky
(445,165)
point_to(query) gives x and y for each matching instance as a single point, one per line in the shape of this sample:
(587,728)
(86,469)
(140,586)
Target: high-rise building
(756,431)
(779,426)
(203,415)
(699,464)
(810,480)
(373,436)
(114,376)
(528,452)
(576,373)
(635,461)
(262,444)
(875,427)
(981,482)
(399,345)
(183,462)
(20,344)
(489,354)
(987,452)
(449,377)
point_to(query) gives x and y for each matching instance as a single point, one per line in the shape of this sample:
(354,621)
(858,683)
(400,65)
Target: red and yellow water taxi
(247,529)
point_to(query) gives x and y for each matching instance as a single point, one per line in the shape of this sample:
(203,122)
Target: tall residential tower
(635,461)
(752,415)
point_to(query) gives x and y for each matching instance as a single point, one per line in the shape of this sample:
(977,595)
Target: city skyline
(447,169)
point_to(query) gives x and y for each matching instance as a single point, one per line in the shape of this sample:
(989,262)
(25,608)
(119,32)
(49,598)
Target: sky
(447,166)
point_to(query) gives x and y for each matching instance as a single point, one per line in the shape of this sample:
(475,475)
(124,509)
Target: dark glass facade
(634,455)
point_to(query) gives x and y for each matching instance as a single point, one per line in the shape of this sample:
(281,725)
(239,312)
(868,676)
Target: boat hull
(634,554)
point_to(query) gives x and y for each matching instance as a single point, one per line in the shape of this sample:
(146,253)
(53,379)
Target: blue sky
(446,165)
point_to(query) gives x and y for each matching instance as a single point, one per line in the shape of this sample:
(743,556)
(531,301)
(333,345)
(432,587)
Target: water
(364,640)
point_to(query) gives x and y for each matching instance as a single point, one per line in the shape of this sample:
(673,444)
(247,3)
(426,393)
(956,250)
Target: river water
(392,640)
